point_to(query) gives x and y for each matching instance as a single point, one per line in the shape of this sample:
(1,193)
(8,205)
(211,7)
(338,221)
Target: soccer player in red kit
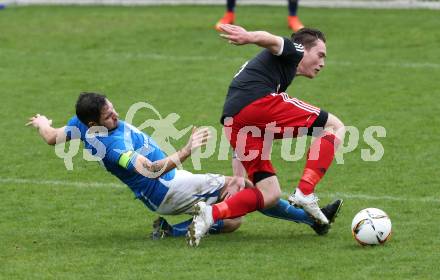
(293,21)
(257,108)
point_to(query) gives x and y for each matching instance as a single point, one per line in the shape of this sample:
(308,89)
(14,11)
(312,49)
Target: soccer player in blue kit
(134,158)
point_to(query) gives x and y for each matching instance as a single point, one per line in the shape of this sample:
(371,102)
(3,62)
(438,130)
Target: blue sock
(181,229)
(217,227)
(230,5)
(283,210)
(293,6)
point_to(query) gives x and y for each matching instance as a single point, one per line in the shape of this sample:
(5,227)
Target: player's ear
(90,124)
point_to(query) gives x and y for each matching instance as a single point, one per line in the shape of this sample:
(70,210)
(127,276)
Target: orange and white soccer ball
(371,226)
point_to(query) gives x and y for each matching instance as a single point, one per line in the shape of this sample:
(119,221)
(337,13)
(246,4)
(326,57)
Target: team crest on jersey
(299,47)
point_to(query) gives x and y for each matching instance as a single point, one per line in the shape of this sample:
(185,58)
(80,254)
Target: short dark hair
(308,37)
(88,106)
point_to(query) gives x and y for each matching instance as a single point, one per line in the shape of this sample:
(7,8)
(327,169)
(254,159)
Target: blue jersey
(118,151)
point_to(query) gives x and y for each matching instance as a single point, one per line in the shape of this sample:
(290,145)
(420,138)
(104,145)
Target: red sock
(319,158)
(243,202)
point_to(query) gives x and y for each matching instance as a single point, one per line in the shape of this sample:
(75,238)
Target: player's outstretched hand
(235,34)
(38,121)
(235,185)
(199,137)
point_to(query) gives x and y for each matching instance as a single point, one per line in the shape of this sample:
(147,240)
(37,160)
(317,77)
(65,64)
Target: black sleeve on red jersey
(292,52)
(320,122)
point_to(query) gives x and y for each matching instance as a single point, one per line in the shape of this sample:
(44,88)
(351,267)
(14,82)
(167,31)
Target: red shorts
(274,116)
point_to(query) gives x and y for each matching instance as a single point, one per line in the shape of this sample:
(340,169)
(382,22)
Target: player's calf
(270,189)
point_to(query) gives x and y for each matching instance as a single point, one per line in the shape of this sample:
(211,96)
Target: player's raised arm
(144,166)
(50,135)
(237,35)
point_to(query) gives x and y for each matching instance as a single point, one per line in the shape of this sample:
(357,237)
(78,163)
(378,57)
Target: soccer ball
(371,226)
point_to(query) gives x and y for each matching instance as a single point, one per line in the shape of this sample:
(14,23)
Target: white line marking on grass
(384,197)
(387,64)
(158,56)
(19,181)
(371,197)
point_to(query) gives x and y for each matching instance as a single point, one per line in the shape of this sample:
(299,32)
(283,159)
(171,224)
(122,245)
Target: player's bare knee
(335,126)
(271,197)
(270,189)
(276,195)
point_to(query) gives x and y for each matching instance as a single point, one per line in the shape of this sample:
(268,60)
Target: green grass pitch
(383,69)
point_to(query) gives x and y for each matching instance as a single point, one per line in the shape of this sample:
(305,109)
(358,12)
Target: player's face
(313,60)
(109,117)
